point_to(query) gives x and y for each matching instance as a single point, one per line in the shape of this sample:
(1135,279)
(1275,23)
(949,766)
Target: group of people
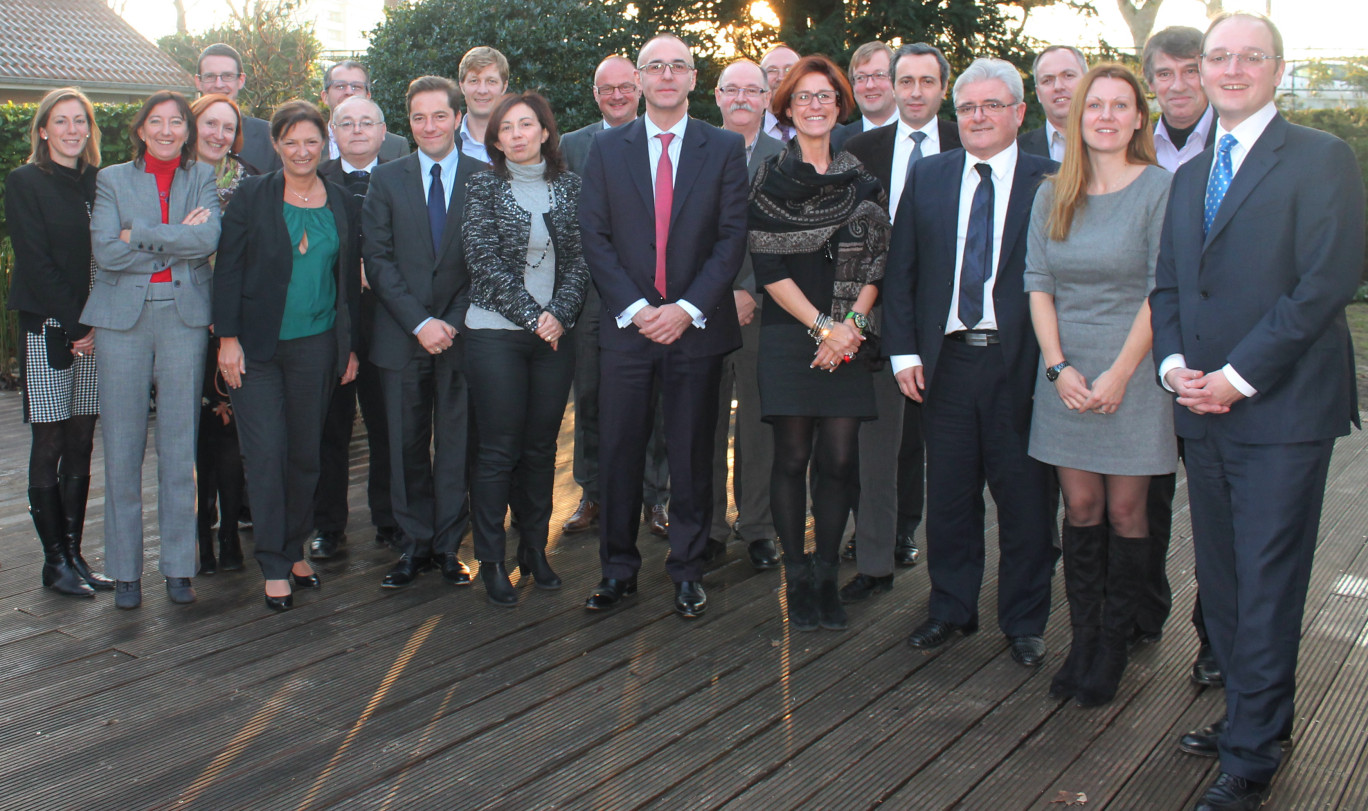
(1061,312)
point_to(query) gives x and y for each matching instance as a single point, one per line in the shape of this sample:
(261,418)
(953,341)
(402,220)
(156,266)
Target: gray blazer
(574,146)
(765,147)
(126,198)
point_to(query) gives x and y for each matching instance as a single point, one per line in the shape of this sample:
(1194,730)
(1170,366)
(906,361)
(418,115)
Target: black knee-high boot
(1085,573)
(1127,567)
(75,491)
(45,505)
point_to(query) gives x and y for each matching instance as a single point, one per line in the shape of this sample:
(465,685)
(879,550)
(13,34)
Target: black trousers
(911,468)
(518,386)
(280,409)
(974,434)
(628,384)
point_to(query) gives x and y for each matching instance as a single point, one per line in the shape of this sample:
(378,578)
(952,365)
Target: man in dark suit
(342,81)
(663,220)
(742,95)
(1057,70)
(959,332)
(871,77)
(617,95)
(357,125)
(1261,250)
(890,507)
(411,222)
(219,70)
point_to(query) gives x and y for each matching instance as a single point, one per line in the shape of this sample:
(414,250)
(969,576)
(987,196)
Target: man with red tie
(663,220)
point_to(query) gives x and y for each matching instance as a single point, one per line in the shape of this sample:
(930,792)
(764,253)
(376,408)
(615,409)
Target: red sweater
(163,171)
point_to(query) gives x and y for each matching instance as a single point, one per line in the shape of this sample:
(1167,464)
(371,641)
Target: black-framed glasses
(657,68)
(992,107)
(1250,59)
(626,89)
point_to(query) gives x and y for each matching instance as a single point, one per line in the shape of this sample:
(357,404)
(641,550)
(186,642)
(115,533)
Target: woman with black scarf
(818,238)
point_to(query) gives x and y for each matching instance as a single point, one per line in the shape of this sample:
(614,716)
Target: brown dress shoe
(659,520)
(585,516)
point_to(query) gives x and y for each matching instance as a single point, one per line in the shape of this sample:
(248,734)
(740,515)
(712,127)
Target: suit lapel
(277,233)
(1262,157)
(417,202)
(949,205)
(1024,183)
(180,203)
(690,164)
(638,159)
(451,232)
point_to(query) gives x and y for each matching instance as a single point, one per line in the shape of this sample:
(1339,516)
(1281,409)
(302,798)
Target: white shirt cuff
(694,313)
(421,324)
(900,362)
(1174,361)
(625,317)
(1238,382)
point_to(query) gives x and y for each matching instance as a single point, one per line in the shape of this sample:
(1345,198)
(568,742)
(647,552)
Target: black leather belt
(975,337)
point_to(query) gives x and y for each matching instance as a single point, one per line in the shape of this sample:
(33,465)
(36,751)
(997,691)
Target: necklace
(297,194)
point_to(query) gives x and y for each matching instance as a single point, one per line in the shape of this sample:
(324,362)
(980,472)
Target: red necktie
(664,201)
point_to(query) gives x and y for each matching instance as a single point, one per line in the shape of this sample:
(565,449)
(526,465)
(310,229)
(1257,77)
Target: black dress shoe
(763,554)
(1231,793)
(327,544)
(905,551)
(658,518)
(1202,742)
(933,633)
(848,552)
(454,571)
(1140,637)
(280,603)
(1027,651)
(405,572)
(306,581)
(386,536)
(533,562)
(610,593)
(714,551)
(498,590)
(690,599)
(1205,670)
(864,586)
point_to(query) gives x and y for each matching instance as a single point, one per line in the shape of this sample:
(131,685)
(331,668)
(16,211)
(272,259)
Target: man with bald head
(1057,70)
(776,63)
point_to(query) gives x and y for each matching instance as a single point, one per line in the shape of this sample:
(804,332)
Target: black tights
(64,445)
(836,450)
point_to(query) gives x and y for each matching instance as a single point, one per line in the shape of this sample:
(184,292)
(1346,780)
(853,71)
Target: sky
(1310,27)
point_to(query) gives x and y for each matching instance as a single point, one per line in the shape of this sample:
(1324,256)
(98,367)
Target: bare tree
(1139,16)
(181,27)
(1213,7)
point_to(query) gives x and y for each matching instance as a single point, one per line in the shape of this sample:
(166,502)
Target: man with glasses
(663,221)
(890,507)
(871,77)
(1261,251)
(958,329)
(219,70)
(1057,70)
(483,76)
(776,63)
(344,80)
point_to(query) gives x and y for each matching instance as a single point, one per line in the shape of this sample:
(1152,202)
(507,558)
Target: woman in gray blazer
(154,224)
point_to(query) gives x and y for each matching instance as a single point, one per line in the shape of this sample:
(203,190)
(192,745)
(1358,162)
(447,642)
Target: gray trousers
(753,449)
(159,350)
(877,513)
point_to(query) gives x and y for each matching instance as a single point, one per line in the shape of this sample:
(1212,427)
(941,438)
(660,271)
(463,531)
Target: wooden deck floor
(428,698)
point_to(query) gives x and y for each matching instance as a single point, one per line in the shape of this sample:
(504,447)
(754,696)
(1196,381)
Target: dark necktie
(917,138)
(978,250)
(1219,182)
(664,201)
(436,208)
(358,182)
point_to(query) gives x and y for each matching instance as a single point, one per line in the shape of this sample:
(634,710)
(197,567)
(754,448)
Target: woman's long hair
(1075,174)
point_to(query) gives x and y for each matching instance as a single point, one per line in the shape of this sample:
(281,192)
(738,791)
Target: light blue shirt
(470,146)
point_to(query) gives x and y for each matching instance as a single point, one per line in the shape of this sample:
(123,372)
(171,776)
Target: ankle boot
(208,563)
(1085,572)
(831,612)
(45,505)
(533,561)
(801,593)
(230,547)
(75,490)
(1127,568)
(498,590)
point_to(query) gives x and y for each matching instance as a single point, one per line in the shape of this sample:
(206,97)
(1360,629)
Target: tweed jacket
(495,231)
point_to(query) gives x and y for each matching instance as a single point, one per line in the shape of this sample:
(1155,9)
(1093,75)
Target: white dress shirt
(1054,139)
(1171,157)
(470,146)
(868,124)
(903,146)
(370,167)
(1003,166)
(448,164)
(1246,133)
(653,153)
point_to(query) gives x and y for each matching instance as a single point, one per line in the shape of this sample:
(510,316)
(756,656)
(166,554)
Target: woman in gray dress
(1099,416)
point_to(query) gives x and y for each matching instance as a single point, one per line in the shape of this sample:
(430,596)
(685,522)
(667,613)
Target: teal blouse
(311,299)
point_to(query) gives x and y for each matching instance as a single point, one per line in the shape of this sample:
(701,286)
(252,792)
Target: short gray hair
(359,100)
(985,68)
(1082,60)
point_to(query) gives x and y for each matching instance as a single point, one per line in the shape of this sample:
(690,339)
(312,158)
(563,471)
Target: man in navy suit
(958,330)
(1057,70)
(663,220)
(1261,250)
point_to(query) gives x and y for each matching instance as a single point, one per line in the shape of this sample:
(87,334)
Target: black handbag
(58,345)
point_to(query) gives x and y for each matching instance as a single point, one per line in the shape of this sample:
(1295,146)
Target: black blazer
(255,261)
(919,282)
(1265,290)
(257,151)
(707,231)
(48,216)
(875,150)
(1035,142)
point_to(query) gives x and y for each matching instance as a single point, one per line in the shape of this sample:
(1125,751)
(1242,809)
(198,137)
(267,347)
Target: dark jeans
(518,386)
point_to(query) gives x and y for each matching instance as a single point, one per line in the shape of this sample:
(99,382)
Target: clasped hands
(1203,392)
(663,324)
(1104,397)
(549,329)
(841,343)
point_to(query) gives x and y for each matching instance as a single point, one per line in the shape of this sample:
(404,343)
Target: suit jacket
(255,262)
(49,227)
(919,283)
(765,147)
(707,232)
(411,281)
(394,146)
(126,198)
(875,150)
(574,146)
(1265,290)
(845,132)
(1035,142)
(257,151)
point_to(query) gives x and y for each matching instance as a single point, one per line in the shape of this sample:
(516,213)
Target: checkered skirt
(53,395)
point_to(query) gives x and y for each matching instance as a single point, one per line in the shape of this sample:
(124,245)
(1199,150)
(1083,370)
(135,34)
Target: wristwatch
(1052,373)
(861,320)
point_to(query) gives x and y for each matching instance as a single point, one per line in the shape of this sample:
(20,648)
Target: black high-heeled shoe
(534,562)
(306,581)
(280,603)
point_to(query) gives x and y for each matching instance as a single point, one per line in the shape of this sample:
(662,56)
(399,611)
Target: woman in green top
(285,296)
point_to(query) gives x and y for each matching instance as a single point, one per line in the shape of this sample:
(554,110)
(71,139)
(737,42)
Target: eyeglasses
(1250,59)
(776,72)
(826,98)
(364,125)
(988,108)
(215,78)
(657,68)
(871,78)
(743,92)
(625,89)
(355,87)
